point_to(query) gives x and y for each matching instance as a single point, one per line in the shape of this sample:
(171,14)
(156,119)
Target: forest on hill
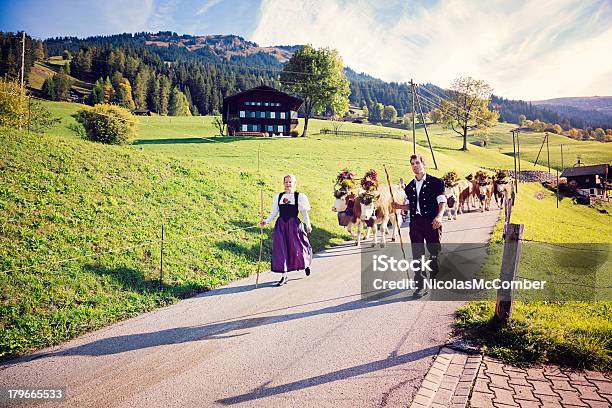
(205,69)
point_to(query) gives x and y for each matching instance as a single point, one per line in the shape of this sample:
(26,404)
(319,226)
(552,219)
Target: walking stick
(260,217)
(395,214)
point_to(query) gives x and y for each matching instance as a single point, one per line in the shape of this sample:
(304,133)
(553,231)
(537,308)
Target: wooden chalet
(590,180)
(261,111)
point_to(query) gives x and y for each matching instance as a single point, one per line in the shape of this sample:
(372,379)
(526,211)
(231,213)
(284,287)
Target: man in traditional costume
(426,203)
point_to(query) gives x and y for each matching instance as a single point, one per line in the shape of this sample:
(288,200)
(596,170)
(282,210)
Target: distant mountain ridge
(601,104)
(365,89)
(224,46)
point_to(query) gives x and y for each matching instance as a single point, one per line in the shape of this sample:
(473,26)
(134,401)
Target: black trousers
(422,235)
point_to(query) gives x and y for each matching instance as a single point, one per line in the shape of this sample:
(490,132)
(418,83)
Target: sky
(525,49)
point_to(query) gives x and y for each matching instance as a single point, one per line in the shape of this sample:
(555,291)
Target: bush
(13,105)
(108,124)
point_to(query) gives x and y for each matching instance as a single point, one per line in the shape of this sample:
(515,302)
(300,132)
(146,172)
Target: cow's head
(367,202)
(340,203)
(483,187)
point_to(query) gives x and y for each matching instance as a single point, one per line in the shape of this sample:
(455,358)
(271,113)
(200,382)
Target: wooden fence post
(509,271)
(161,260)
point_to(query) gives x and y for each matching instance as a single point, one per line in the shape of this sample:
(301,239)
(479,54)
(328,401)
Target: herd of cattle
(473,192)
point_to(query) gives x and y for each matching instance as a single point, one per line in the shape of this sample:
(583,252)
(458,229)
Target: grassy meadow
(571,322)
(65,197)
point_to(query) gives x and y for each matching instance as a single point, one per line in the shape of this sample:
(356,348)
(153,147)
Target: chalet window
(266,103)
(242,114)
(282,115)
(270,128)
(281,128)
(258,103)
(273,115)
(252,114)
(262,114)
(586,180)
(245,128)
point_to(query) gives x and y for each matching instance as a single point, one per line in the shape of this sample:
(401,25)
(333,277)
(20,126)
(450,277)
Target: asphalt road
(311,343)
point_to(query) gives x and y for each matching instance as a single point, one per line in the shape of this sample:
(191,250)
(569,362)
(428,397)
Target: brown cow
(473,193)
(456,196)
(379,211)
(465,195)
(503,190)
(348,211)
(485,190)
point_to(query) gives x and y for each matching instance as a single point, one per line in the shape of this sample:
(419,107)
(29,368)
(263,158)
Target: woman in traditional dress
(291,250)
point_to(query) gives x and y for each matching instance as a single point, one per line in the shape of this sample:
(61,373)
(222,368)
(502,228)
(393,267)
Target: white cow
(380,212)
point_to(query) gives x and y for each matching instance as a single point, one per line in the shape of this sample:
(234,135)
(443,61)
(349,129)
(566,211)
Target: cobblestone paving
(458,380)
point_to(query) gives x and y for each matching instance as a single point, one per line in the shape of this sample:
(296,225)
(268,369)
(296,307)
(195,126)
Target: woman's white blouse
(303,206)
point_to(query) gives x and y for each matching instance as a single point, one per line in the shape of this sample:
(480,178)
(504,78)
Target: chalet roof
(264,88)
(600,169)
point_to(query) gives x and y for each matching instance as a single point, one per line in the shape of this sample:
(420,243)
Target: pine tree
(39,51)
(116,79)
(141,86)
(164,94)
(153,94)
(97,93)
(62,85)
(48,88)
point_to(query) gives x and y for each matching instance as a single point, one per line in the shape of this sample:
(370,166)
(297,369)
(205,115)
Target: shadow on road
(211,331)
(343,374)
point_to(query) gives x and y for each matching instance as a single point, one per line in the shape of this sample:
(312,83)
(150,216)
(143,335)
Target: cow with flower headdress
(345,194)
(376,207)
(502,187)
(457,194)
(485,189)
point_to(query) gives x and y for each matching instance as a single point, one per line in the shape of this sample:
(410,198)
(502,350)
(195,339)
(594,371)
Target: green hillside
(63,197)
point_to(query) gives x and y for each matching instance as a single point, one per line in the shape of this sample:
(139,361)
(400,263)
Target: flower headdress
(501,176)
(369,183)
(481,176)
(450,178)
(345,181)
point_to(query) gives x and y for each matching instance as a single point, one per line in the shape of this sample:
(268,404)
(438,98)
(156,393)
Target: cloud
(207,5)
(524,49)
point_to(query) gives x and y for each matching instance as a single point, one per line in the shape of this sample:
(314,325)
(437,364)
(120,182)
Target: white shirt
(418,184)
(303,206)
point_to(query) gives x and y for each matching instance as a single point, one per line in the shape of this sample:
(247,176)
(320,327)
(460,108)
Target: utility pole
(518,150)
(425,125)
(22,58)
(514,157)
(413,124)
(548,152)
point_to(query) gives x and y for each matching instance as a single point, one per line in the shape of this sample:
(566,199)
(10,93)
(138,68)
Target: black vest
(288,211)
(428,197)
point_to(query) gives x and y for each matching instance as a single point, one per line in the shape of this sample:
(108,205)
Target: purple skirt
(291,250)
